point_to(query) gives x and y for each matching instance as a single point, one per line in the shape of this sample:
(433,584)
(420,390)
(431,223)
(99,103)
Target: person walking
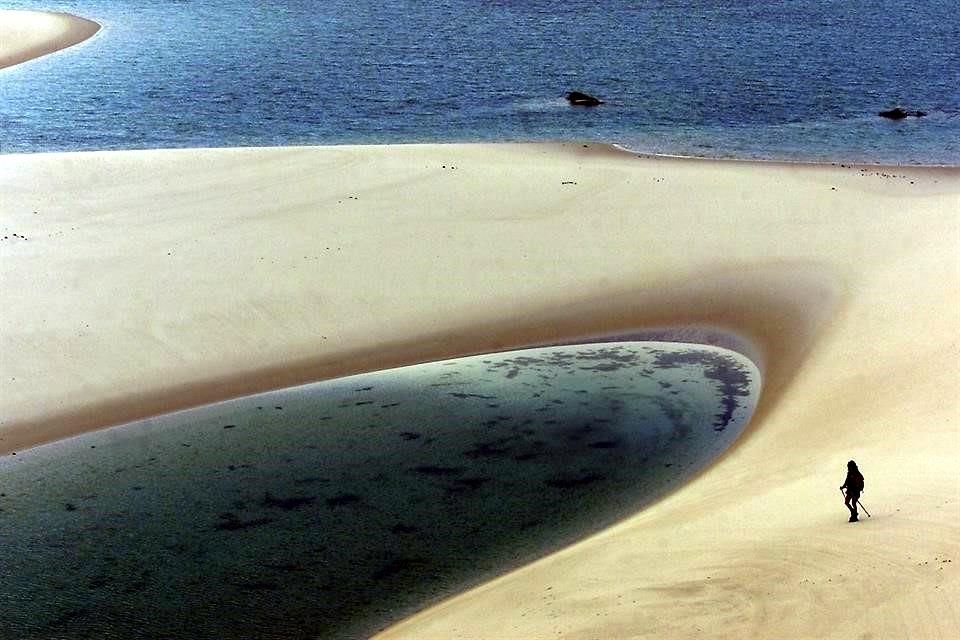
(854,486)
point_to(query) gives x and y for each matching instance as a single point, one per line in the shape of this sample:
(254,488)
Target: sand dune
(25,35)
(135,283)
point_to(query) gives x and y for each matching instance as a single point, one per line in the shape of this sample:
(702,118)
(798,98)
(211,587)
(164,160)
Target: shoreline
(695,336)
(614,148)
(802,163)
(31,34)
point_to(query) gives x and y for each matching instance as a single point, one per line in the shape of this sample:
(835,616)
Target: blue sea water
(778,79)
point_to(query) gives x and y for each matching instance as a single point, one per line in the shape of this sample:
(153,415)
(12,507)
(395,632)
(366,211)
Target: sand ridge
(139,282)
(174,242)
(25,35)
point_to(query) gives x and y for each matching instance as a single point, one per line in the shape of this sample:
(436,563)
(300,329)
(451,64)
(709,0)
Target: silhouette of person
(854,486)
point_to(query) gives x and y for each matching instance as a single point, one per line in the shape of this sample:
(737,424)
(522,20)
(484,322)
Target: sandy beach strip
(25,35)
(135,283)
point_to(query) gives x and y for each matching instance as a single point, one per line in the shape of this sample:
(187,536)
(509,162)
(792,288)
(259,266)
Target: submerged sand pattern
(332,509)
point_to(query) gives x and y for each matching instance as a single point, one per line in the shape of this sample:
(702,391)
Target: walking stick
(859,503)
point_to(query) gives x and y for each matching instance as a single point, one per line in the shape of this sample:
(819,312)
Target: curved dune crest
(25,35)
(315,261)
(140,282)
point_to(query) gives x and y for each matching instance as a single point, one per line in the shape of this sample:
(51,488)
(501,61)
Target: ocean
(775,79)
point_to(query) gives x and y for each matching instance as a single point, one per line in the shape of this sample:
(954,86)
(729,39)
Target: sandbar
(25,35)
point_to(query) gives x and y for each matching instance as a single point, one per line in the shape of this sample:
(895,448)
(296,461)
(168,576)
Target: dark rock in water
(899,114)
(582,99)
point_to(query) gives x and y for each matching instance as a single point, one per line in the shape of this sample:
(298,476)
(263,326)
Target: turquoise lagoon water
(788,79)
(330,510)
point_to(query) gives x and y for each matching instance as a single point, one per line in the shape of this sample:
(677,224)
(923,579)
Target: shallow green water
(332,509)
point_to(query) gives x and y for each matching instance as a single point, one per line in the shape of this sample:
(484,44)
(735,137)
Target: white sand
(25,35)
(141,282)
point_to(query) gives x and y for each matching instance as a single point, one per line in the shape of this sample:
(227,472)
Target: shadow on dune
(333,509)
(779,309)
